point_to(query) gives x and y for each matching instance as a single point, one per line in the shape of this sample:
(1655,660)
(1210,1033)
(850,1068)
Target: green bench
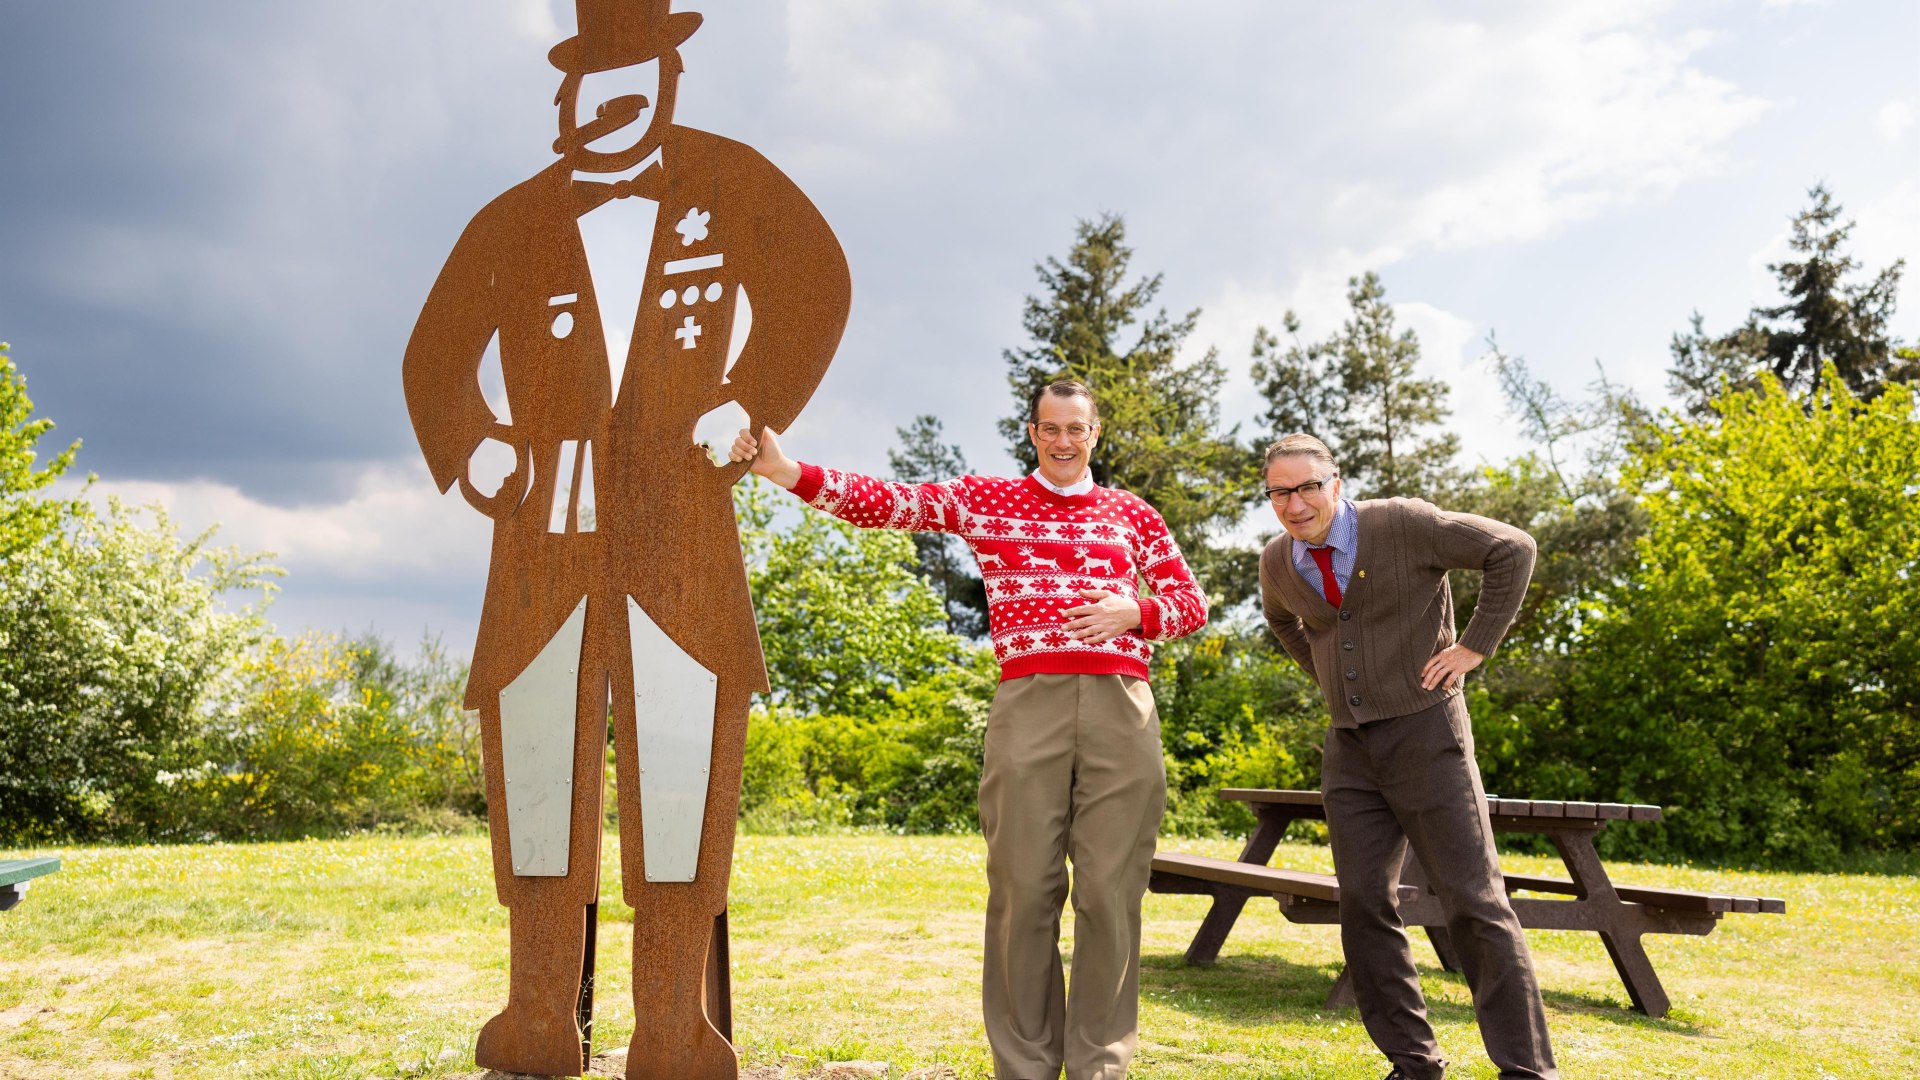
(17,874)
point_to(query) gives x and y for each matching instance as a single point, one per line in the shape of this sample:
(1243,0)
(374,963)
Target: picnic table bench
(16,874)
(1619,913)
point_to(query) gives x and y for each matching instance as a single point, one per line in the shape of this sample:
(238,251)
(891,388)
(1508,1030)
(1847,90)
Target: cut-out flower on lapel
(693,227)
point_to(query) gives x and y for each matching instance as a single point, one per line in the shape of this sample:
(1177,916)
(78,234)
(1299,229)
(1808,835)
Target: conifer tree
(1357,392)
(1161,436)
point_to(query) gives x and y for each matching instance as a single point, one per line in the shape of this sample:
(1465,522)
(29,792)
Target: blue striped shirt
(1343,537)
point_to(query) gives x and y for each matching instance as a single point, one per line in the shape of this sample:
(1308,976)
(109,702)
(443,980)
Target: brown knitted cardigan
(1397,610)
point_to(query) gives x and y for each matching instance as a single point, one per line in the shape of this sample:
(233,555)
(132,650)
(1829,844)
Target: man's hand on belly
(1106,618)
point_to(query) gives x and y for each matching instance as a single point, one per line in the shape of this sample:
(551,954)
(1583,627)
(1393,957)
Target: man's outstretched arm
(860,500)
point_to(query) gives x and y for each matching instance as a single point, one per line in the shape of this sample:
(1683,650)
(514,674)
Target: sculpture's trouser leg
(673,922)
(538,1031)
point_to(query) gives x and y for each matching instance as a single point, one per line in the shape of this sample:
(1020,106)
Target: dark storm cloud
(218,219)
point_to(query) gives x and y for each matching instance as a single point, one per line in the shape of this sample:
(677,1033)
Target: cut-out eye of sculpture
(713,291)
(690,294)
(563,324)
(669,298)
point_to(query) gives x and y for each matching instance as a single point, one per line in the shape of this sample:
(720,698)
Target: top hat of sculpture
(616,33)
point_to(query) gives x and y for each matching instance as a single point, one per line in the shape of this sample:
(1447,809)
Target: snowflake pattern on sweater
(1036,550)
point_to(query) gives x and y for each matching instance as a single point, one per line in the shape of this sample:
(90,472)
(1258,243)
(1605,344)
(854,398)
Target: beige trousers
(1073,773)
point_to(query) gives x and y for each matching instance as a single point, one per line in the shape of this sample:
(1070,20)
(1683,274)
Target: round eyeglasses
(1077,432)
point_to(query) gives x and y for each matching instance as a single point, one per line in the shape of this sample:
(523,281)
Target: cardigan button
(1352,674)
(1354,700)
(1345,615)
(1347,645)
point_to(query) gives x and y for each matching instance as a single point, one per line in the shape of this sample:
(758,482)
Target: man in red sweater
(1073,771)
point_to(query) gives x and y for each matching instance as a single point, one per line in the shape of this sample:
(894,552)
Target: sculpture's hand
(767,459)
(714,430)
(512,487)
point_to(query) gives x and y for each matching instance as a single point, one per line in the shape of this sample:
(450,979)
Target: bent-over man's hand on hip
(1449,666)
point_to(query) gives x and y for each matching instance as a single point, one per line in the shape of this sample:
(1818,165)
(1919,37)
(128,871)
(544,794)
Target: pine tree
(1823,318)
(1160,420)
(923,458)
(1357,392)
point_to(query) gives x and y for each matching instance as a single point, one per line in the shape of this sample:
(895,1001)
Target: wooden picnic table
(1619,913)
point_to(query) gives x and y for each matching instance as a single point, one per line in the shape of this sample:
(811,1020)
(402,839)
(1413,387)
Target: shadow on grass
(1254,988)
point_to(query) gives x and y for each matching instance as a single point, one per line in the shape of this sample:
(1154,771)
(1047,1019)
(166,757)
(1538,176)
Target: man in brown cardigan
(1358,594)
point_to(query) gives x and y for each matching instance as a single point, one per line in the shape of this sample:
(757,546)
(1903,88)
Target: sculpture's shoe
(653,1055)
(526,1041)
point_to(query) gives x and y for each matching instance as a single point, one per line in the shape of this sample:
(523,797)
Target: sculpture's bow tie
(647,185)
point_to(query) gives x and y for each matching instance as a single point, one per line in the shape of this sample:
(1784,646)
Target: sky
(219,218)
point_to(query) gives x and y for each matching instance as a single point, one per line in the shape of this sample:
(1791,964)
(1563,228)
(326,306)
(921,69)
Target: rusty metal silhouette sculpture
(617,591)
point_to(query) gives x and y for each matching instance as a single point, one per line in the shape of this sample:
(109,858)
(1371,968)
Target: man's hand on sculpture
(767,459)
(1449,666)
(1106,618)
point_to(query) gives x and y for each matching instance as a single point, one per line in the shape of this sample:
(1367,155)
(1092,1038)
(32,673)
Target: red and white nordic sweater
(1036,549)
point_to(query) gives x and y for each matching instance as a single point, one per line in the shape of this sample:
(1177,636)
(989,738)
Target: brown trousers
(1413,780)
(1073,772)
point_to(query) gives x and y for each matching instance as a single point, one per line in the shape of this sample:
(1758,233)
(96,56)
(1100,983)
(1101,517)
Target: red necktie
(1329,583)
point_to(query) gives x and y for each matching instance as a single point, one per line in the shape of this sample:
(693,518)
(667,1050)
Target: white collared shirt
(1078,487)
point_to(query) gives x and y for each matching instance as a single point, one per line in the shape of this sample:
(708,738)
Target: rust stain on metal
(610,499)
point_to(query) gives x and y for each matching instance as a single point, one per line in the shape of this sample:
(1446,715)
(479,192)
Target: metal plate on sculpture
(673,699)
(536,747)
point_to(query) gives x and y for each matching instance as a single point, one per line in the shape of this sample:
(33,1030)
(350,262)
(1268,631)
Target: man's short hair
(1062,388)
(1297,445)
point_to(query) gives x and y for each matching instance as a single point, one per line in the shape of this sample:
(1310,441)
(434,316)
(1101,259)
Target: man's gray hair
(1299,444)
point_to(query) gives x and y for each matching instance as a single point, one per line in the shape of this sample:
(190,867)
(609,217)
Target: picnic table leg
(1413,873)
(1616,926)
(1636,971)
(1214,929)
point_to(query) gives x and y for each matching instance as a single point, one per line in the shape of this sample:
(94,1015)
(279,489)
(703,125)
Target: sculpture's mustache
(611,116)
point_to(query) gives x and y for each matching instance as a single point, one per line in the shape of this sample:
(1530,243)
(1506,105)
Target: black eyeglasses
(1306,490)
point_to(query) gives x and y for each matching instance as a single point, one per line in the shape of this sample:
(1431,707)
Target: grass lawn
(381,957)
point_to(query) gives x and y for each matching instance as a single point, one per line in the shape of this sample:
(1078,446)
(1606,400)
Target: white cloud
(393,526)
(904,69)
(1894,119)
(534,19)
(1549,118)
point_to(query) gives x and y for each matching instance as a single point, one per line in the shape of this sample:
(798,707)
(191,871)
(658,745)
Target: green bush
(1758,673)
(1235,711)
(113,640)
(914,767)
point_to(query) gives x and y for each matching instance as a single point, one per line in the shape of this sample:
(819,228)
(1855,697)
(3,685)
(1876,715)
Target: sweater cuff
(1149,619)
(1482,643)
(812,478)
